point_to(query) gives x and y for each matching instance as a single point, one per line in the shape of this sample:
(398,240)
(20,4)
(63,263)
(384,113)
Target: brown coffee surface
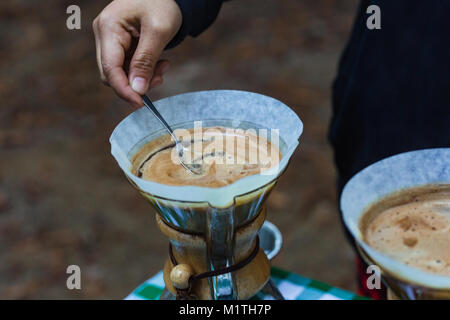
(413,226)
(224,155)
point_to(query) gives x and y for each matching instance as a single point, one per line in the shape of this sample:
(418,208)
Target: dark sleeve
(198,15)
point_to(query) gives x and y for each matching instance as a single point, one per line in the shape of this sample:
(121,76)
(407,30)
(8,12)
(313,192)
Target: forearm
(198,15)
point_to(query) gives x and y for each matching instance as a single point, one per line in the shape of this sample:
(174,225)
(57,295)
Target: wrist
(186,18)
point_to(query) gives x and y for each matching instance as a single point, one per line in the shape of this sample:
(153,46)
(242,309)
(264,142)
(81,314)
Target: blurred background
(63,199)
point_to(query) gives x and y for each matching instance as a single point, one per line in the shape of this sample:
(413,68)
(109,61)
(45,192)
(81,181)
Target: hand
(129,38)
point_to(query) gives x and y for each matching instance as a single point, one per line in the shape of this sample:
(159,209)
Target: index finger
(112,60)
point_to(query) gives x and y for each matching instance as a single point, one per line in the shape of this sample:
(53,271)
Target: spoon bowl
(192,168)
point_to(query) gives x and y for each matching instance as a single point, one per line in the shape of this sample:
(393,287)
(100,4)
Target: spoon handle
(148,103)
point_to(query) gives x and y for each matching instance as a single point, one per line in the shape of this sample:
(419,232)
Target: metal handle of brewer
(220,252)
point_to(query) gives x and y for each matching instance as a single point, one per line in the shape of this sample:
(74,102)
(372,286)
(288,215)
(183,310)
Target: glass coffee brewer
(214,249)
(390,176)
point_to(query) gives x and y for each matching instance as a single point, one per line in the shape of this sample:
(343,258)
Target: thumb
(144,60)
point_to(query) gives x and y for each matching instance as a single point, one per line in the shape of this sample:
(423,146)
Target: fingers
(98,51)
(118,59)
(111,65)
(124,66)
(161,67)
(144,61)
(128,48)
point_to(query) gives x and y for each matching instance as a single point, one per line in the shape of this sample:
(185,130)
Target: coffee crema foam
(226,155)
(413,227)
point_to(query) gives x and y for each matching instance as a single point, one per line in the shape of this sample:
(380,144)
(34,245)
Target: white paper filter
(406,170)
(233,105)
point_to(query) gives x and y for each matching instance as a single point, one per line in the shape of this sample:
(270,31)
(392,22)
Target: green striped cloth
(292,286)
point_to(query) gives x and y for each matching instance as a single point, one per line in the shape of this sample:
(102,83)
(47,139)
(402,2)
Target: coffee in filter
(214,108)
(414,171)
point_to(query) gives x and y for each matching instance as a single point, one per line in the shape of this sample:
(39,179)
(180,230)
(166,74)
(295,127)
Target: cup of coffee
(240,143)
(398,211)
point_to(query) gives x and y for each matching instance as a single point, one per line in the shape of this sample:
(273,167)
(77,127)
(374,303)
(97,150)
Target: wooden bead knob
(179,276)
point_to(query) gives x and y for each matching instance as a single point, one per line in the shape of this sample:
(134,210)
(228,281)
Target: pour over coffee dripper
(214,252)
(384,178)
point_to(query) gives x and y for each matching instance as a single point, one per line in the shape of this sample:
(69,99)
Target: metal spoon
(180,148)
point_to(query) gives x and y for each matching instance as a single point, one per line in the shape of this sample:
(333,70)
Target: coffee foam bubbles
(225,156)
(416,233)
